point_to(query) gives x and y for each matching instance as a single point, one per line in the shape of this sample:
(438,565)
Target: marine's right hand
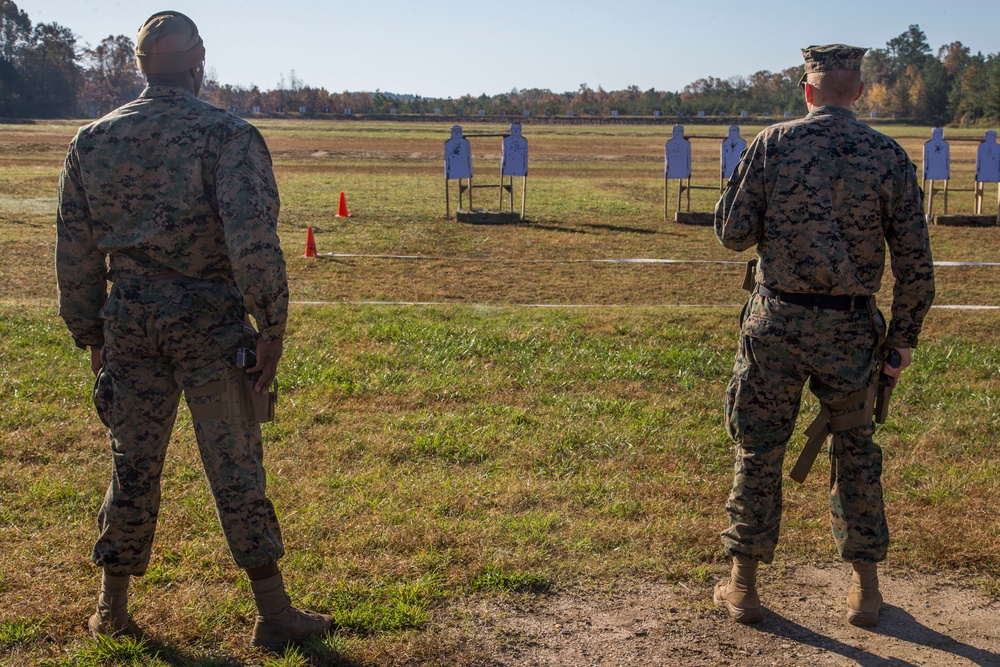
(268,354)
(904,361)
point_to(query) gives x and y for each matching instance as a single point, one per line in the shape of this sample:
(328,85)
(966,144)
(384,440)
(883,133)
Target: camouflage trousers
(163,336)
(781,346)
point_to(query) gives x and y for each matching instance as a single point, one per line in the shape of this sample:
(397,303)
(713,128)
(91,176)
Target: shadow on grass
(556,228)
(316,651)
(896,623)
(620,228)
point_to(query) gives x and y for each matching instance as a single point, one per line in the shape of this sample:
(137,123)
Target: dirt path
(927,621)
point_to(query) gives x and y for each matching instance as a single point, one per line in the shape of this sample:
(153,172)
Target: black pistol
(886,384)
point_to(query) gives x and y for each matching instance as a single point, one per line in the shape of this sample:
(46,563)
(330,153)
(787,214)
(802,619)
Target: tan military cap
(831,57)
(168,42)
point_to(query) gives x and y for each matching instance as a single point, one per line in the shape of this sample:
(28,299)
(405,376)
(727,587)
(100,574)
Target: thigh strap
(854,410)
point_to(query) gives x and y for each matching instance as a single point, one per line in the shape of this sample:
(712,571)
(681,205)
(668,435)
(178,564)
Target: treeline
(907,80)
(44,73)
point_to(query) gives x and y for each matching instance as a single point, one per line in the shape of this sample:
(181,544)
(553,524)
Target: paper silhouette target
(937,157)
(457,155)
(678,155)
(732,149)
(988,160)
(514,160)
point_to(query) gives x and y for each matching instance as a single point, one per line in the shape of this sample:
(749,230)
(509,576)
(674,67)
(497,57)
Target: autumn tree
(110,76)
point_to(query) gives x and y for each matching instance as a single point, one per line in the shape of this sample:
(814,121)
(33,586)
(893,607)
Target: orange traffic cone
(310,244)
(342,210)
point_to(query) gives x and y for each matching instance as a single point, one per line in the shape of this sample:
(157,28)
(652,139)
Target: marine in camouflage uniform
(174,201)
(820,198)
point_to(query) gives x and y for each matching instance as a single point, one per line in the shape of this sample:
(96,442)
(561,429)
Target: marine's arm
(739,215)
(81,271)
(911,261)
(248,202)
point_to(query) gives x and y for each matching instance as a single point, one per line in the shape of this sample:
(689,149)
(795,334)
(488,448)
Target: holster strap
(854,410)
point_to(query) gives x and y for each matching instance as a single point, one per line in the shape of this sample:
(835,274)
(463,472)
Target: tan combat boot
(863,598)
(111,618)
(278,622)
(738,593)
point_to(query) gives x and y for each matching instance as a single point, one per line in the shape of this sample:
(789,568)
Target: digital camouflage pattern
(164,335)
(169,183)
(831,57)
(178,198)
(820,198)
(783,345)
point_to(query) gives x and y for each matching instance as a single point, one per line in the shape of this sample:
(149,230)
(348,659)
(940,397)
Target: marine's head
(168,46)
(833,73)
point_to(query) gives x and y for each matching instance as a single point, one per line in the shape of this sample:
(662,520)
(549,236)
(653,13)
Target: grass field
(493,441)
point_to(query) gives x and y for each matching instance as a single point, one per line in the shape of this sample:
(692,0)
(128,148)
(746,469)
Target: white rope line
(479,304)
(626,260)
(441,258)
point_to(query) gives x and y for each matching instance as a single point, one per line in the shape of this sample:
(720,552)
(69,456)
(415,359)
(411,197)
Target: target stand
(513,164)
(677,166)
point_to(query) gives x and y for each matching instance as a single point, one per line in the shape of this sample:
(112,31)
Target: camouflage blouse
(821,197)
(168,184)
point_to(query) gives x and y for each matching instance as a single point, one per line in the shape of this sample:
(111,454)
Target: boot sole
(96,631)
(862,619)
(282,644)
(745,616)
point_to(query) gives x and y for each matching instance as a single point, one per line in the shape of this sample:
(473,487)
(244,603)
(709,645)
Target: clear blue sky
(439,48)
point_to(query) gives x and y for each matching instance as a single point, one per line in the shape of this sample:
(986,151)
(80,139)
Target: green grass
(495,580)
(426,456)
(19,632)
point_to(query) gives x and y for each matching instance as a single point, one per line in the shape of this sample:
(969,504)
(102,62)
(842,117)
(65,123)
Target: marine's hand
(904,361)
(95,359)
(268,354)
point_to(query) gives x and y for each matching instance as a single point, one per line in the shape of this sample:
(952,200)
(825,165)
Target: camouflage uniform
(179,198)
(820,197)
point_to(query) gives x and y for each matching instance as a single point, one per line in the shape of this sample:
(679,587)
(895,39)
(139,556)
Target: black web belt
(822,301)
